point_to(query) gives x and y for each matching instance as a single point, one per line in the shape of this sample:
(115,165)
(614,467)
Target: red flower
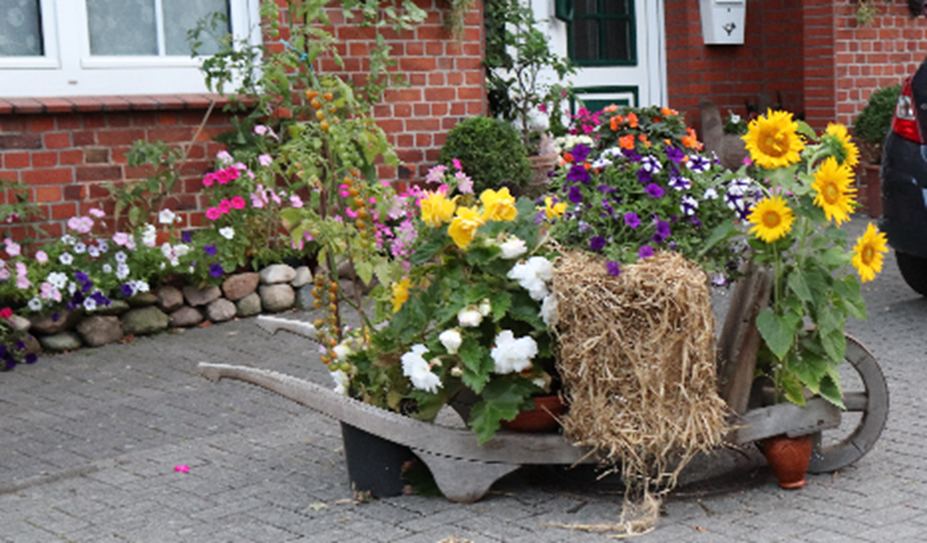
(6,312)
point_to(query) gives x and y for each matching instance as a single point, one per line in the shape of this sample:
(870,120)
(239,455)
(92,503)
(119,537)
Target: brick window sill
(85,104)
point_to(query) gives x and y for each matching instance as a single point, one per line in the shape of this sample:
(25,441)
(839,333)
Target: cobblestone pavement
(89,441)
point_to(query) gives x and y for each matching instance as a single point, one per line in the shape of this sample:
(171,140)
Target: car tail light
(904,122)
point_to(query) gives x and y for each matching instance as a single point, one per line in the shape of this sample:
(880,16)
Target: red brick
(67,122)
(48,194)
(170,135)
(423,125)
(114,103)
(98,173)
(44,160)
(56,105)
(15,160)
(57,140)
(402,110)
(41,124)
(118,121)
(119,137)
(167,119)
(63,211)
(75,192)
(83,138)
(391,126)
(441,94)
(53,176)
(423,140)
(20,141)
(417,64)
(25,106)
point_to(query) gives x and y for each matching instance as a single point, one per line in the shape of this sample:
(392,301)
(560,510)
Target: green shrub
(490,152)
(875,120)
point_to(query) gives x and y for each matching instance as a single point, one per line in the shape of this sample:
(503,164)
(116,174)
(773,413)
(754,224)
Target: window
(109,47)
(602,33)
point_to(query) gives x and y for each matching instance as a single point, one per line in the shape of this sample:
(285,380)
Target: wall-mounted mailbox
(723,21)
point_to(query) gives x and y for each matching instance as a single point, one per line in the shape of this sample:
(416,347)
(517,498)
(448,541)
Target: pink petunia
(213,213)
(98,213)
(296,201)
(351,213)
(209,179)
(225,206)
(238,202)
(233,172)
(120,238)
(12,248)
(457,163)
(41,257)
(257,200)
(274,197)
(222,177)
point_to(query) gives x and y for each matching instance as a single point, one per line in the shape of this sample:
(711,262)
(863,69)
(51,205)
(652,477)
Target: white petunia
(35,304)
(228,232)
(341,380)
(342,351)
(513,248)
(90,304)
(68,239)
(120,257)
(710,194)
(469,317)
(149,235)
(107,268)
(181,250)
(512,355)
(416,368)
(141,286)
(122,271)
(549,310)
(57,279)
(166,216)
(451,339)
(66,259)
(93,251)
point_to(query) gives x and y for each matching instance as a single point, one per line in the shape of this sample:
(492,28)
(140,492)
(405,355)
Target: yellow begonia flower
(498,206)
(835,195)
(551,210)
(437,209)
(868,258)
(773,219)
(850,153)
(773,140)
(463,228)
(400,293)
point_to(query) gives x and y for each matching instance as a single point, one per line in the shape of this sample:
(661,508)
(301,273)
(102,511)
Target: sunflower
(838,140)
(835,196)
(773,219)
(773,140)
(868,257)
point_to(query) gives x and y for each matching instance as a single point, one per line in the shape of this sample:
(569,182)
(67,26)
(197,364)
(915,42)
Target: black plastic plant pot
(374,464)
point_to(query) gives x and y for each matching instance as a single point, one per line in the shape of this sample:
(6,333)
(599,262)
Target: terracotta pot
(789,458)
(541,166)
(873,189)
(543,418)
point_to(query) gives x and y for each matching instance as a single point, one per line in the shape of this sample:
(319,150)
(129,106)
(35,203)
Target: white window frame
(68,69)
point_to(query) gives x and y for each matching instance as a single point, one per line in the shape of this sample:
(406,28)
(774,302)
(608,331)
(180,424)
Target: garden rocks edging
(276,288)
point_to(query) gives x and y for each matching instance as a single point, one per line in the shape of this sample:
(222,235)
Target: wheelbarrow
(464,470)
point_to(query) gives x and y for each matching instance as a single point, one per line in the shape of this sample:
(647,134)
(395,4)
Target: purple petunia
(605,189)
(216,270)
(20,344)
(631,219)
(210,249)
(674,154)
(651,164)
(580,153)
(576,195)
(631,155)
(578,174)
(30,358)
(596,243)
(653,190)
(680,183)
(698,164)
(186,237)
(688,205)
(81,276)
(643,176)
(645,251)
(663,228)
(613,269)
(126,289)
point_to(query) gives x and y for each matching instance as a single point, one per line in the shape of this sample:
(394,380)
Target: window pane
(585,39)
(617,40)
(586,7)
(182,15)
(616,7)
(20,28)
(122,27)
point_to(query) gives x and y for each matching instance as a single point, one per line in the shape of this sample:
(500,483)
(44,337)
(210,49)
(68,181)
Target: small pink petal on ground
(182,469)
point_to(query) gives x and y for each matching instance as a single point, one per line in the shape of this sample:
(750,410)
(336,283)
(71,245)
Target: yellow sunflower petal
(835,195)
(772,219)
(849,152)
(867,257)
(773,140)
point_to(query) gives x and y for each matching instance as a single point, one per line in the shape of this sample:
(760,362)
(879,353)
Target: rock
(143,299)
(220,310)
(186,316)
(115,307)
(248,306)
(303,277)
(169,298)
(277,297)
(144,320)
(304,297)
(240,285)
(19,323)
(277,273)
(32,344)
(100,330)
(200,296)
(48,326)
(62,341)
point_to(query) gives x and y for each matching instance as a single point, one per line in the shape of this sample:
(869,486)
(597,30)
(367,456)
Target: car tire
(914,271)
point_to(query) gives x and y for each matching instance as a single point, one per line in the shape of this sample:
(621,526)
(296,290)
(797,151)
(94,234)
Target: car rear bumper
(904,195)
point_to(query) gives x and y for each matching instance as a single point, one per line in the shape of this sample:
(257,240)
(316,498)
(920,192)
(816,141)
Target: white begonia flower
(228,232)
(341,380)
(72,288)
(141,286)
(175,262)
(485,307)
(166,216)
(456,371)
(549,310)
(342,351)
(451,339)
(416,368)
(469,316)
(35,304)
(533,276)
(513,248)
(512,355)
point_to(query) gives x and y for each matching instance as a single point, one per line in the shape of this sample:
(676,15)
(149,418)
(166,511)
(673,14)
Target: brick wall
(769,62)
(67,148)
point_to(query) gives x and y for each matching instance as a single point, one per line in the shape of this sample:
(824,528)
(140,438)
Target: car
(904,182)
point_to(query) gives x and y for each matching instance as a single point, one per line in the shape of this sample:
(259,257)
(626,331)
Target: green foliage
(517,52)
(490,152)
(16,206)
(874,122)
(139,199)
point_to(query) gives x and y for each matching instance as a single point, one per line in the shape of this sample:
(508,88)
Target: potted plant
(795,230)
(489,151)
(525,80)
(871,127)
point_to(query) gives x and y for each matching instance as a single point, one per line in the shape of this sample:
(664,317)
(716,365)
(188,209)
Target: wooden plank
(740,340)
(785,418)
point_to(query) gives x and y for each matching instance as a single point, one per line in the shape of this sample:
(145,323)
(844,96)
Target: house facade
(81,80)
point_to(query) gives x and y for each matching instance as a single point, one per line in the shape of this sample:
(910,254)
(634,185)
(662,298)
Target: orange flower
(610,108)
(587,166)
(626,142)
(667,112)
(644,140)
(632,120)
(658,119)
(567,157)
(615,121)
(690,140)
